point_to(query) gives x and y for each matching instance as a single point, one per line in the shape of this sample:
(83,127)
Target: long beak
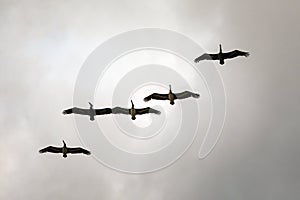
(132,105)
(64,142)
(91,104)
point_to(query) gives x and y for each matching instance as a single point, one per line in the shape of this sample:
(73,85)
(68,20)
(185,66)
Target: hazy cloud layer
(44,43)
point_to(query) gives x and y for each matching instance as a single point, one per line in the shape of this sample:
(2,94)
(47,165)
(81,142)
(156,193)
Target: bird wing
(78,150)
(147,110)
(103,111)
(207,56)
(186,94)
(76,110)
(51,149)
(119,110)
(156,96)
(235,53)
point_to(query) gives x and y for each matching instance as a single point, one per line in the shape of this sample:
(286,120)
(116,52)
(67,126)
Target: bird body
(133,113)
(171,96)
(64,150)
(221,56)
(92,112)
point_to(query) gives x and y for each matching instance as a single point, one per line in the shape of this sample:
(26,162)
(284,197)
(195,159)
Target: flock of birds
(171,97)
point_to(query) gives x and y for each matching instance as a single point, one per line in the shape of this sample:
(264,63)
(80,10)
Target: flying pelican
(91,111)
(221,56)
(134,111)
(171,96)
(64,150)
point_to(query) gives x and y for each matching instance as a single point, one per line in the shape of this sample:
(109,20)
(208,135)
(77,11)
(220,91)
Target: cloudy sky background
(43,45)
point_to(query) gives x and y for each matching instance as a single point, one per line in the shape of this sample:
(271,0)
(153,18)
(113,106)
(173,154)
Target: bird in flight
(64,150)
(221,56)
(134,111)
(90,112)
(171,96)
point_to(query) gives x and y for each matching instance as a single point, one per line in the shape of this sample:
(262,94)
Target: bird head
(64,143)
(220,46)
(132,105)
(91,105)
(170,88)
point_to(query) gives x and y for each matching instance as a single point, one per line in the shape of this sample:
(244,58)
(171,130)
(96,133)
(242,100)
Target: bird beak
(132,103)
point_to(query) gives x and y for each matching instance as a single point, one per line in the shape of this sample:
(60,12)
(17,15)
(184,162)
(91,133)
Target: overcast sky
(43,45)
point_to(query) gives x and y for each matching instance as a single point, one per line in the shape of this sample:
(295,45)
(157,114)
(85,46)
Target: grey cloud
(43,45)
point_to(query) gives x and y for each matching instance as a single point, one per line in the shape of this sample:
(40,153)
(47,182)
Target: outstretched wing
(119,110)
(51,149)
(147,110)
(235,53)
(103,111)
(156,96)
(207,56)
(78,150)
(76,110)
(186,94)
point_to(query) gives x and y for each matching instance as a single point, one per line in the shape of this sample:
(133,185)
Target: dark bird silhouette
(90,112)
(171,96)
(64,150)
(134,111)
(221,56)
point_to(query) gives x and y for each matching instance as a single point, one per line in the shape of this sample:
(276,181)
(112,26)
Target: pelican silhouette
(221,56)
(171,96)
(90,112)
(134,111)
(64,150)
